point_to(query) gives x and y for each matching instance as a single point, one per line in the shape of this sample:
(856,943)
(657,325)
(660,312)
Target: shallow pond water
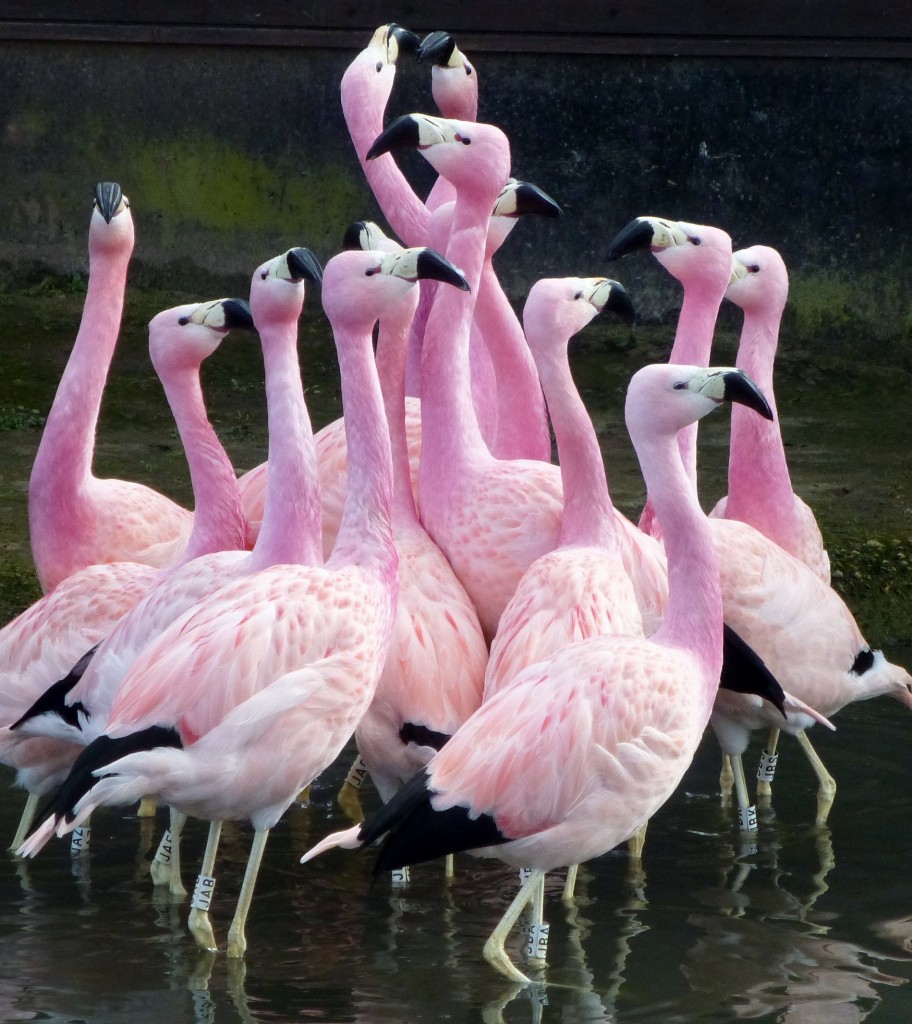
(805,925)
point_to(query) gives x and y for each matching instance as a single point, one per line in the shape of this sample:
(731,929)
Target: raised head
(759,280)
(689,252)
(387,42)
(182,337)
(365,234)
(111,226)
(454,83)
(559,307)
(277,286)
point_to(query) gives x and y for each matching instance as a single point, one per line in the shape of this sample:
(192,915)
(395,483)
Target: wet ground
(807,925)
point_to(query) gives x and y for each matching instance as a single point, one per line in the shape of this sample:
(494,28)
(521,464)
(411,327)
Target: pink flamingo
(53,636)
(492,518)
(434,673)
(242,701)
(583,748)
(75,518)
(759,486)
(580,589)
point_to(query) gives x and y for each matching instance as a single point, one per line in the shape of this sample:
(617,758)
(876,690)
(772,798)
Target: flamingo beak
(304,266)
(108,196)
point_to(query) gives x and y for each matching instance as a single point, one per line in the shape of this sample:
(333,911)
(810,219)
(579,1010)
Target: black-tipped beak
(403,133)
(108,195)
(408,42)
(619,303)
(636,235)
(530,199)
(438,47)
(741,389)
(434,267)
(354,235)
(237,315)
(304,266)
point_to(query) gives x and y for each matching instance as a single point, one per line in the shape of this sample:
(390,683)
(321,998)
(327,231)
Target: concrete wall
(230,154)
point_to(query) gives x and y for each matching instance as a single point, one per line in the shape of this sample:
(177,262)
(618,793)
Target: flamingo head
(182,337)
(454,84)
(111,227)
(365,234)
(277,286)
(517,199)
(387,42)
(759,280)
(473,156)
(559,307)
(692,253)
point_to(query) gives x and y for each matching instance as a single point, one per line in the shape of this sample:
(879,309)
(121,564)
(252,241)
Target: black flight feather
(422,736)
(53,700)
(744,671)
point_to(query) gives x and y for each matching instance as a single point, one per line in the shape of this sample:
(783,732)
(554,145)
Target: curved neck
(588,516)
(363,105)
(218,521)
(522,422)
(693,616)
(392,349)
(64,458)
(291,532)
(365,533)
(450,437)
(759,486)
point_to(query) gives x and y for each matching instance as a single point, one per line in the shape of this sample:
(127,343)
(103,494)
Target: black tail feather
(744,671)
(415,832)
(100,752)
(53,700)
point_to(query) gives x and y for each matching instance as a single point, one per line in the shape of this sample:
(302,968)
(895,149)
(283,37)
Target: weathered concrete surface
(230,154)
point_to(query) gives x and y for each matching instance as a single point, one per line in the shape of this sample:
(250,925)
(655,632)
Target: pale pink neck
(363,105)
(692,346)
(693,616)
(759,486)
(522,422)
(450,438)
(588,516)
(64,458)
(291,533)
(365,534)
(392,349)
(218,521)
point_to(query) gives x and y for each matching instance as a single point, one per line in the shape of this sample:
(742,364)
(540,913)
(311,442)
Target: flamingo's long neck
(218,522)
(693,616)
(365,93)
(759,486)
(63,463)
(451,440)
(365,534)
(392,348)
(588,516)
(291,530)
(692,346)
(522,423)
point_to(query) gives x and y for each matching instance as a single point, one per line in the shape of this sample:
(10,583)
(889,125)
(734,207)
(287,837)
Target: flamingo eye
(379,66)
(264,275)
(468,71)
(754,268)
(184,320)
(680,385)
(578,295)
(694,239)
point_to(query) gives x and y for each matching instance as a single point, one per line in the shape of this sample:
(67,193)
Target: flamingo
(75,518)
(492,518)
(433,677)
(47,640)
(759,487)
(243,700)
(575,755)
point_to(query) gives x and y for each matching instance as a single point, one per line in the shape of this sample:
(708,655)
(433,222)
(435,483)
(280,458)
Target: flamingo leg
(147,808)
(448,870)
(636,842)
(79,838)
(747,814)
(767,768)
(165,868)
(726,780)
(198,922)
(570,885)
(537,944)
(26,821)
(237,940)
(494,951)
(826,789)
(347,797)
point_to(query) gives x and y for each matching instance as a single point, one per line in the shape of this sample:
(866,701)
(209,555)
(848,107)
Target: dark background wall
(787,126)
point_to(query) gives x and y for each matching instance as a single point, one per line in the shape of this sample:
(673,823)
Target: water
(811,925)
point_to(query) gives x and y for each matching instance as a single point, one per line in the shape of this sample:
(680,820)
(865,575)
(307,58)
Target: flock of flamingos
(526,672)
